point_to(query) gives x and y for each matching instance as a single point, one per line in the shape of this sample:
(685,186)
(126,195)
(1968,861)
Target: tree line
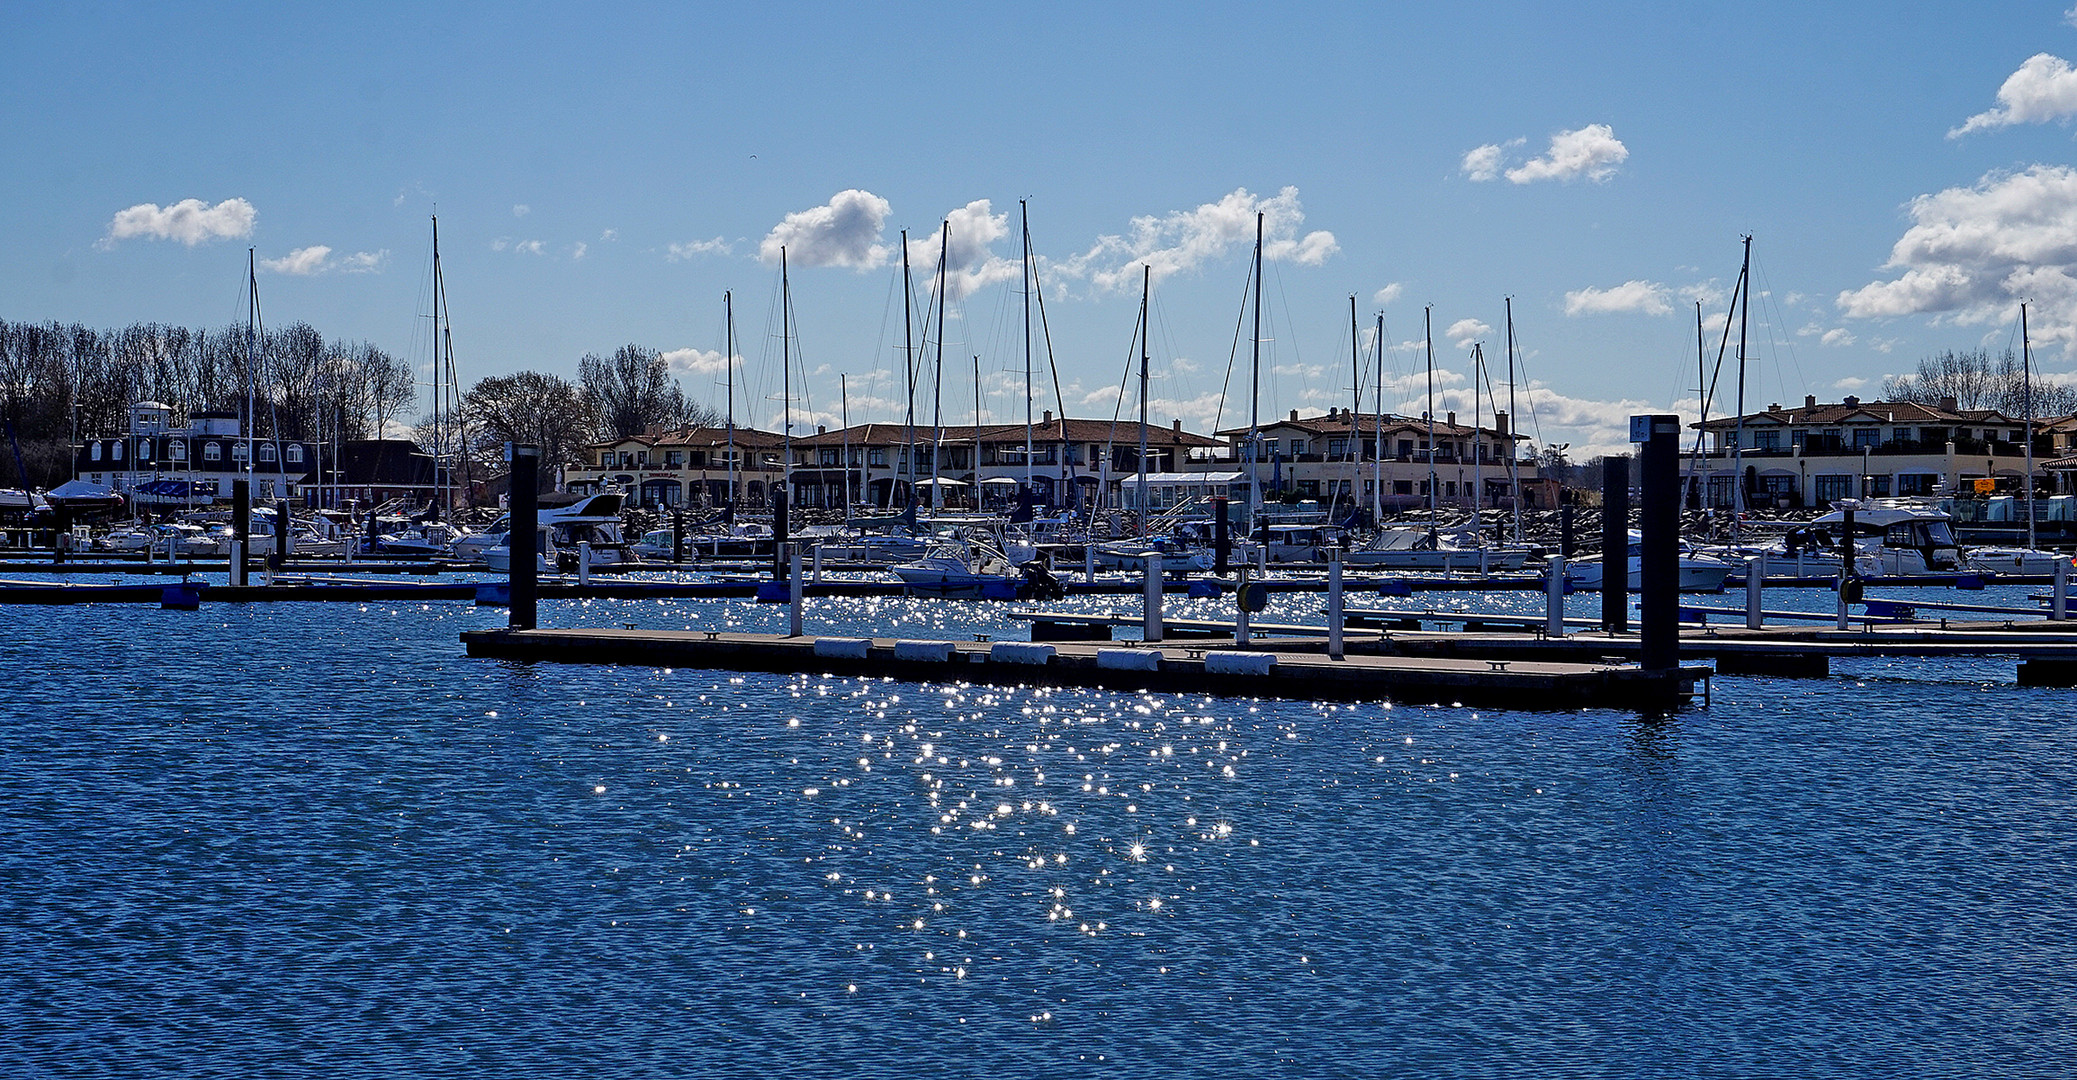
(1976,379)
(62,383)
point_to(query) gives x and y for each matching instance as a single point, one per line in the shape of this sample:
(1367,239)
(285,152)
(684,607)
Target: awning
(946,482)
(1001,481)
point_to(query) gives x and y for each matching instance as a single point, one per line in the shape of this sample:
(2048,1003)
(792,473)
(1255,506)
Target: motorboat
(587,528)
(1698,571)
(962,569)
(1419,549)
(1894,539)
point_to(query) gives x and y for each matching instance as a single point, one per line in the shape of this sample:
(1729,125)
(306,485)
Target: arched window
(212,452)
(266,451)
(94,452)
(295,453)
(115,451)
(180,450)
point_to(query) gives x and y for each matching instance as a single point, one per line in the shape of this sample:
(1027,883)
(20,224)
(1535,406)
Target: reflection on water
(306,840)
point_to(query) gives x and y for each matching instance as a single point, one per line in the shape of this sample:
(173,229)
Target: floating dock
(1300,670)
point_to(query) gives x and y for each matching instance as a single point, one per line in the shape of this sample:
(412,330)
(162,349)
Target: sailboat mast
(439,433)
(728,309)
(1514,466)
(908,363)
(1738,431)
(1146,288)
(1255,386)
(1428,333)
(2026,393)
(1356,410)
(1377,464)
(1696,470)
(844,417)
(252,359)
(1478,457)
(937,379)
(1024,214)
(786,383)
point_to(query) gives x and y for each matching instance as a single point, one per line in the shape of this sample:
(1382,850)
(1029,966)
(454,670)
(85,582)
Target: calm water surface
(316,840)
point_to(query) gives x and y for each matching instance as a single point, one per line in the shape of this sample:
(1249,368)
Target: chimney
(1452,421)
(1179,427)
(1810,401)
(1852,401)
(1500,424)
(821,429)
(1948,404)
(1294,416)
(1049,416)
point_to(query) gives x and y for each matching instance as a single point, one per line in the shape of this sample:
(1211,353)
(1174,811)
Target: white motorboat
(1417,549)
(1895,539)
(962,569)
(592,521)
(1698,572)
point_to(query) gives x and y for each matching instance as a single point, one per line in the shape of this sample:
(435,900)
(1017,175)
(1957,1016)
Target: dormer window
(295,453)
(212,451)
(266,451)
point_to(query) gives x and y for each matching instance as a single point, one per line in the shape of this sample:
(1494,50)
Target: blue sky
(602,174)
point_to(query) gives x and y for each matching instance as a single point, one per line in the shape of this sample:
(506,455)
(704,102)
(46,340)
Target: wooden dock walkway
(1296,670)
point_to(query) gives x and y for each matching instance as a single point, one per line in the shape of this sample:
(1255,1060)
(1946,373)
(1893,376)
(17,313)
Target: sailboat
(2029,559)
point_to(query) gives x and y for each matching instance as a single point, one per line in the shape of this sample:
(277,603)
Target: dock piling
(241,528)
(1554,599)
(1755,580)
(793,588)
(1150,623)
(1615,545)
(1222,538)
(1334,609)
(523,540)
(2059,604)
(1659,522)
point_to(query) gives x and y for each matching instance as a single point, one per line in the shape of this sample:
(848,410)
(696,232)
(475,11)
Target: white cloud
(521,210)
(524,247)
(1465,331)
(610,235)
(2043,89)
(1837,337)
(682,252)
(969,264)
(578,249)
(301,262)
(1482,163)
(699,361)
(1186,239)
(1646,297)
(1850,384)
(317,259)
(1592,151)
(1388,294)
(845,231)
(2070,17)
(1971,254)
(190,221)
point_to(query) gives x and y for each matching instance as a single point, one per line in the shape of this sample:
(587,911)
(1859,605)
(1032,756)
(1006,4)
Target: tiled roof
(1861,412)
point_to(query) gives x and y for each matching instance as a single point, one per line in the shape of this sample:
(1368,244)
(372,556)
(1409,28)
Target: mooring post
(523,540)
(583,562)
(1754,581)
(1615,544)
(1150,607)
(1222,538)
(1659,520)
(677,536)
(1554,599)
(2059,604)
(779,532)
(1847,578)
(241,527)
(284,544)
(1240,608)
(1334,611)
(793,588)
(1089,559)
(818,562)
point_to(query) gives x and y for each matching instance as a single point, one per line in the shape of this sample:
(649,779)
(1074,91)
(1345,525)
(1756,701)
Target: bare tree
(547,411)
(1975,379)
(632,393)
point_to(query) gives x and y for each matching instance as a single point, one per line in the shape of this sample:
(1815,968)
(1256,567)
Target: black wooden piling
(241,528)
(1615,545)
(1659,600)
(1222,538)
(526,515)
(677,536)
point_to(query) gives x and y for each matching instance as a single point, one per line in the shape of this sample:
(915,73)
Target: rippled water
(316,840)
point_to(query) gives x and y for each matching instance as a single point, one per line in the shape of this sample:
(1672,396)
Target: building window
(1867,438)
(180,450)
(94,452)
(1830,487)
(1902,434)
(1402,487)
(673,458)
(295,453)
(1766,440)
(1917,483)
(238,451)
(827,456)
(115,451)
(877,456)
(212,452)
(266,451)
